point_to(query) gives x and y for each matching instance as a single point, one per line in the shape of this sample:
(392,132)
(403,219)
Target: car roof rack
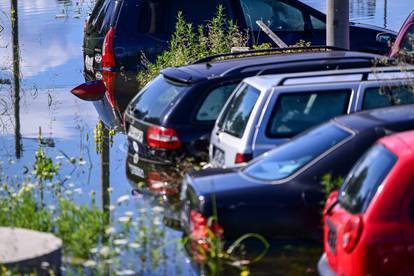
(268,66)
(271,51)
(365,76)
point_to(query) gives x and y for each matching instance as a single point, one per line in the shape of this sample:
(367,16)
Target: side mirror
(90,91)
(386,38)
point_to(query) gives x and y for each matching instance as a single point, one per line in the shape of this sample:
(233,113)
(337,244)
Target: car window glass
(377,97)
(294,155)
(278,15)
(214,102)
(90,26)
(239,110)
(363,181)
(160,16)
(408,41)
(317,24)
(150,104)
(101,22)
(296,112)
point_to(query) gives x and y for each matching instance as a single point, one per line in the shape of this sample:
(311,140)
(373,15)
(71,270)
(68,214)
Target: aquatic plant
(331,184)
(220,35)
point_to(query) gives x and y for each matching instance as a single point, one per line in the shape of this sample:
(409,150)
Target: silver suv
(265,111)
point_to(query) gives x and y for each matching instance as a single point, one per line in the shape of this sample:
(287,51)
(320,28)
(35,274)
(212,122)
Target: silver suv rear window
(235,117)
(363,181)
(289,158)
(296,112)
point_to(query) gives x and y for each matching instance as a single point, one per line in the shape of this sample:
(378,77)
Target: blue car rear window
(363,181)
(151,103)
(287,159)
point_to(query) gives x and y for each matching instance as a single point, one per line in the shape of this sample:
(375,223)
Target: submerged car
(173,116)
(266,111)
(369,223)
(280,193)
(118,32)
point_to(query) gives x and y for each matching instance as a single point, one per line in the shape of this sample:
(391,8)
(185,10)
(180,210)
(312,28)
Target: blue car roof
(388,117)
(258,64)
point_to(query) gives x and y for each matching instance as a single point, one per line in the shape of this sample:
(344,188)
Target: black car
(173,116)
(280,193)
(128,28)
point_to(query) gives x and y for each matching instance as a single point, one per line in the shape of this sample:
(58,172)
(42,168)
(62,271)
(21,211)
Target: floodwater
(50,64)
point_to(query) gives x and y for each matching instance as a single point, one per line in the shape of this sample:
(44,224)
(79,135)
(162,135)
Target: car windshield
(287,159)
(150,104)
(363,181)
(235,117)
(277,15)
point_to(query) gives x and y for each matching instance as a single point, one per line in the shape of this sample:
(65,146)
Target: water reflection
(381,13)
(362,9)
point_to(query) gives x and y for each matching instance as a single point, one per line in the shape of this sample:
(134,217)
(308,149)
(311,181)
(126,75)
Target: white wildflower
(110,230)
(157,209)
(124,219)
(125,272)
(120,242)
(129,214)
(89,263)
(133,245)
(123,199)
(105,250)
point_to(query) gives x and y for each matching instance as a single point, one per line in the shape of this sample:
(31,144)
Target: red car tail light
(163,138)
(199,226)
(90,91)
(108,55)
(159,184)
(243,158)
(352,232)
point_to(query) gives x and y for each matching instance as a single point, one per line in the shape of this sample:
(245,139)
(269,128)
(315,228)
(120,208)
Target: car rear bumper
(323,267)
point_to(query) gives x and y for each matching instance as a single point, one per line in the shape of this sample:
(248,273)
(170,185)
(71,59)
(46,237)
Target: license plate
(89,63)
(218,157)
(137,171)
(136,134)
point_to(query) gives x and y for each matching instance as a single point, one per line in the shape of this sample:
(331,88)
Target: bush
(220,35)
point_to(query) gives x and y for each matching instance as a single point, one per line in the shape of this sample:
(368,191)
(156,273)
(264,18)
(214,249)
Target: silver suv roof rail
(396,74)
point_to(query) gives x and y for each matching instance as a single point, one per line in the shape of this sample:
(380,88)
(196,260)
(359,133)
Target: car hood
(371,27)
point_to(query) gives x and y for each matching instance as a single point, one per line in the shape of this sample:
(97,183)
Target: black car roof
(260,63)
(388,117)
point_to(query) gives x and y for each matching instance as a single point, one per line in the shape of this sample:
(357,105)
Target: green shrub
(331,184)
(220,35)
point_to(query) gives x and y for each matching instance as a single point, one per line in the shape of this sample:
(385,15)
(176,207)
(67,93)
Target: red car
(405,39)
(369,223)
